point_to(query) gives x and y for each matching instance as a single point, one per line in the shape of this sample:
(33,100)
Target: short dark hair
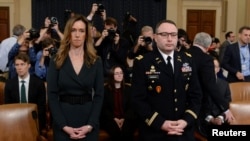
(163,21)
(228,34)
(110,21)
(22,56)
(244,28)
(48,41)
(215,40)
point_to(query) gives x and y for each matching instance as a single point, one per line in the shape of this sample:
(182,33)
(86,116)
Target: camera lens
(33,34)
(147,40)
(53,20)
(100,8)
(111,34)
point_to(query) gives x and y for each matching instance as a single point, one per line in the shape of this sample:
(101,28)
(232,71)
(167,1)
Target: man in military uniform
(166,92)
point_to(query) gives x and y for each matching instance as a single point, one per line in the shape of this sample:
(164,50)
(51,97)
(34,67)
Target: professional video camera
(100,8)
(34,33)
(147,40)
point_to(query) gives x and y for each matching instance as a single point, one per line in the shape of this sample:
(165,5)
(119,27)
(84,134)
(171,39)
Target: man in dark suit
(34,92)
(166,94)
(206,75)
(230,38)
(236,59)
(215,117)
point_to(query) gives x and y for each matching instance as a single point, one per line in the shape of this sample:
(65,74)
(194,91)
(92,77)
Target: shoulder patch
(139,57)
(188,54)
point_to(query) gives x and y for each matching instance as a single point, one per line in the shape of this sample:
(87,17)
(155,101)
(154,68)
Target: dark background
(147,12)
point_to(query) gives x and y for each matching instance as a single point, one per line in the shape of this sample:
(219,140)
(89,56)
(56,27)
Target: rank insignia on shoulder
(188,54)
(179,59)
(139,57)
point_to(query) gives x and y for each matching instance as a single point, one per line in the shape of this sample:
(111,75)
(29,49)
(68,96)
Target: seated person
(118,118)
(215,117)
(34,88)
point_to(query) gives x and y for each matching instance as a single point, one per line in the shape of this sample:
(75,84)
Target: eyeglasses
(118,73)
(166,34)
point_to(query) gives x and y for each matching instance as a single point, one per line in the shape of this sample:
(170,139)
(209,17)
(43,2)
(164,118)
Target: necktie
(169,65)
(23,93)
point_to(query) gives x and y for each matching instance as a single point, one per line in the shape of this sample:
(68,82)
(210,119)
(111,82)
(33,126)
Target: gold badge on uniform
(158,89)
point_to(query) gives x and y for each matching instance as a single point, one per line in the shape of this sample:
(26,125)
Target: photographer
(25,45)
(50,28)
(111,46)
(43,57)
(144,44)
(97,9)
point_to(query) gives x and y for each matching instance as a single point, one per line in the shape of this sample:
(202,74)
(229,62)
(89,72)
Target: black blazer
(224,92)
(36,94)
(206,74)
(231,61)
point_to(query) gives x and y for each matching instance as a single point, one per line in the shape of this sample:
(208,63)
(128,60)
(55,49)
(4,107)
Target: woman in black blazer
(75,84)
(118,117)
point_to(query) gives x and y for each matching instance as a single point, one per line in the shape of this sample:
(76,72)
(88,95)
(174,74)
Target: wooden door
(200,21)
(4,23)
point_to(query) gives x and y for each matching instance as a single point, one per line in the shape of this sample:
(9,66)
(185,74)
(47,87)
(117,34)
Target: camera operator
(24,44)
(111,46)
(43,57)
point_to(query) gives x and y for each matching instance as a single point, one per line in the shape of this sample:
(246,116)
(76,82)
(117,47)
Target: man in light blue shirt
(7,44)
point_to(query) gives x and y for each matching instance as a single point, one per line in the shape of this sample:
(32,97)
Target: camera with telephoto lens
(52,50)
(100,8)
(34,34)
(147,40)
(111,34)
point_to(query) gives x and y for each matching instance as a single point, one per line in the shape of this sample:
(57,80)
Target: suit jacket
(206,74)
(222,50)
(231,61)
(158,95)
(224,92)
(36,94)
(65,81)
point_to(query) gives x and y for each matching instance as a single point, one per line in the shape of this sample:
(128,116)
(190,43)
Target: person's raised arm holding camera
(97,9)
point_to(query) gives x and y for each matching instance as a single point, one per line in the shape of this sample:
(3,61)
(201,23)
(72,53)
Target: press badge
(244,67)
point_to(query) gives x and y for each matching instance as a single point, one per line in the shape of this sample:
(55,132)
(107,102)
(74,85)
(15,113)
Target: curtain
(147,12)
